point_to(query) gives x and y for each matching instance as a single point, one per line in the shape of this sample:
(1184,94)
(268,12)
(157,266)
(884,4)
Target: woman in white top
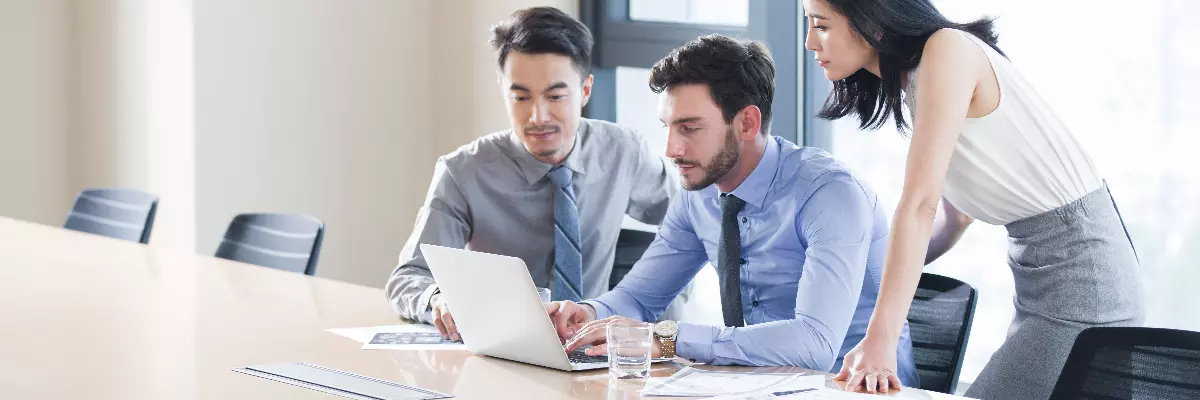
(984,146)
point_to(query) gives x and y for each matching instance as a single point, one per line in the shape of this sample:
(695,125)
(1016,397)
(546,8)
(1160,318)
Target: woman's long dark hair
(898,30)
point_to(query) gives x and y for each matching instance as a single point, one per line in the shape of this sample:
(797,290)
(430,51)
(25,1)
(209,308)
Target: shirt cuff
(695,342)
(602,311)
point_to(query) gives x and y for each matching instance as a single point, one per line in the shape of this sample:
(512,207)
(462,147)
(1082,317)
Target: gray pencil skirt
(1074,267)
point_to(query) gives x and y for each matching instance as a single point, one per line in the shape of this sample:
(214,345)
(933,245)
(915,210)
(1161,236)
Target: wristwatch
(666,331)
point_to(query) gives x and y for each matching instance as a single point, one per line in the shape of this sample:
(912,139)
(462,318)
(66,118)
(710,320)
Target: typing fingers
(591,333)
(598,350)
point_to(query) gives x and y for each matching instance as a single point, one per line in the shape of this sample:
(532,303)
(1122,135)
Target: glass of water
(629,346)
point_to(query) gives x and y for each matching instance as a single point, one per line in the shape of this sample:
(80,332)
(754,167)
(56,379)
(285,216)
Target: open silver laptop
(497,309)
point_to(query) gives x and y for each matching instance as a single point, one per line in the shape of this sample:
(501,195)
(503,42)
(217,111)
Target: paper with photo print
(411,341)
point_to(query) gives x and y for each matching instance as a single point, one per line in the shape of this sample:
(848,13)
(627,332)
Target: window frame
(623,42)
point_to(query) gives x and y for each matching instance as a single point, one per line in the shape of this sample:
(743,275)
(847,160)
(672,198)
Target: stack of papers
(340,383)
(808,387)
(692,382)
(799,394)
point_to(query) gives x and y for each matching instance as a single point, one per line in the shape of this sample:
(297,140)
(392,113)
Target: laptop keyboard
(579,357)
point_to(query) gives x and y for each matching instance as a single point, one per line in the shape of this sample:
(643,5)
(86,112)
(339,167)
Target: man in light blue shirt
(797,240)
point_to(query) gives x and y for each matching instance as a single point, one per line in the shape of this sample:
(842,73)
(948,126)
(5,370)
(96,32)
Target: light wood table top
(96,318)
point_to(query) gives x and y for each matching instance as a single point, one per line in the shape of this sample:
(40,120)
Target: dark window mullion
(624,42)
(815,89)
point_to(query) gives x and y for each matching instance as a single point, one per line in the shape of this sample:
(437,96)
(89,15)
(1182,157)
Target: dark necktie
(729,261)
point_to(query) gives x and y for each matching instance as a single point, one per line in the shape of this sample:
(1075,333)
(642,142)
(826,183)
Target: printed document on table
(692,382)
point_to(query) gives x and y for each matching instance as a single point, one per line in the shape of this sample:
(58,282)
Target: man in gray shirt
(552,190)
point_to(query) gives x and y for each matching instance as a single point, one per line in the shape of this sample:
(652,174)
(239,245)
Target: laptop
(497,309)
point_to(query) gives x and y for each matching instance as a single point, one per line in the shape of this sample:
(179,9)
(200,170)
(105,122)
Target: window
(1128,93)
(704,12)
(637,33)
(637,108)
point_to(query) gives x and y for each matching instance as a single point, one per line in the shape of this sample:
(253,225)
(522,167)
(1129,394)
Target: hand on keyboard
(579,357)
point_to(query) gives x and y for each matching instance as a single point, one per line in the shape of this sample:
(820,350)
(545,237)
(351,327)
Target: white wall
(317,107)
(330,108)
(109,102)
(76,109)
(35,168)
(340,120)
(170,120)
(131,106)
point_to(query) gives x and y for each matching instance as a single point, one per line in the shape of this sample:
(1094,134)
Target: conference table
(90,317)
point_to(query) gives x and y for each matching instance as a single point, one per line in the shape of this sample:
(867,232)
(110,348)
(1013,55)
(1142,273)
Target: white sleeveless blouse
(1018,161)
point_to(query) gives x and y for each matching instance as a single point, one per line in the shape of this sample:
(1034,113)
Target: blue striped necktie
(568,254)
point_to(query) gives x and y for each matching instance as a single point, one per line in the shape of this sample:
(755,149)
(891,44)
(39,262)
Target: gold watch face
(666,328)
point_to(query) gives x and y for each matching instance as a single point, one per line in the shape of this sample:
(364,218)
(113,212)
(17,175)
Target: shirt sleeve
(443,220)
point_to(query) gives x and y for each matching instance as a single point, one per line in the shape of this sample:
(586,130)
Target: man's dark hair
(542,30)
(738,73)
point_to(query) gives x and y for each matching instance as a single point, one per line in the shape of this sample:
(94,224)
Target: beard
(545,151)
(717,167)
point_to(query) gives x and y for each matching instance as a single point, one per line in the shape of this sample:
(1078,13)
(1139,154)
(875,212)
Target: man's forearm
(777,343)
(409,291)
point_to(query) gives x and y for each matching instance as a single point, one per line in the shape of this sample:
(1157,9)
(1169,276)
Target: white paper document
(364,334)
(798,394)
(411,341)
(692,382)
(793,387)
(399,337)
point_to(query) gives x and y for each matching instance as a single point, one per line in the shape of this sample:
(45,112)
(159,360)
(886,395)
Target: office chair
(289,242)
(1131,363)
(631,244)
(124,214)
(940,324)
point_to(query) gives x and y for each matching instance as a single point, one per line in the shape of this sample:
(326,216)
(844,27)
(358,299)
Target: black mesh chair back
(940,323)
(289,242)
(117,213)
(1132,363)
(631,244)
